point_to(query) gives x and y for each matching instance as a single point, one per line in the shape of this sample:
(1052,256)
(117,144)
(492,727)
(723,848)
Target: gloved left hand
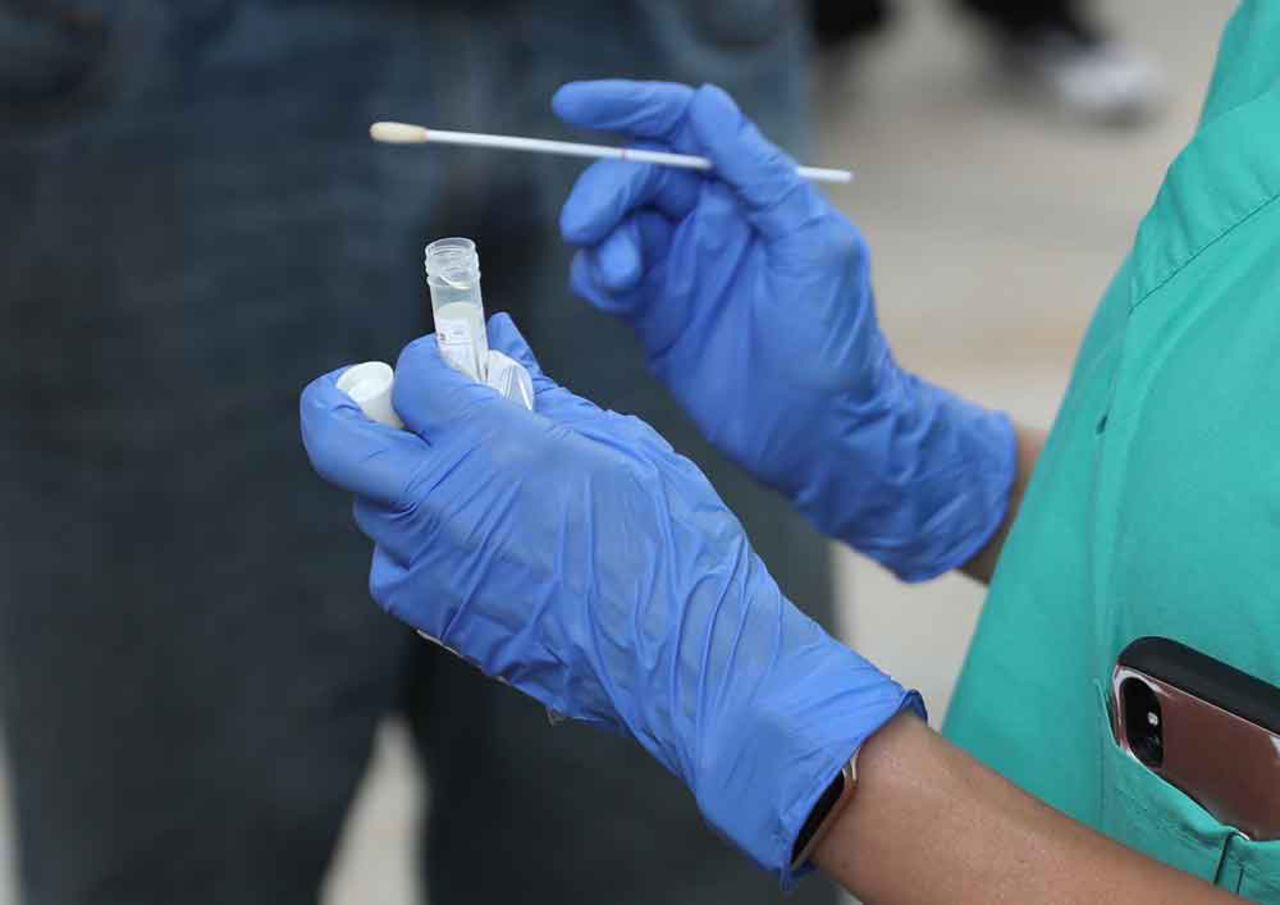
(572,553)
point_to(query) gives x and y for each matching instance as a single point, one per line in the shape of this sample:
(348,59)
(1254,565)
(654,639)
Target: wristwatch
(828,807)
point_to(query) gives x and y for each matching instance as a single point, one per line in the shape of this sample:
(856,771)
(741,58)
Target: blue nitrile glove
(570,552)
(752,297)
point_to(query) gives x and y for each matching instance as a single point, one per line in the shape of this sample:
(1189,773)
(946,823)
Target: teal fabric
(1155,508)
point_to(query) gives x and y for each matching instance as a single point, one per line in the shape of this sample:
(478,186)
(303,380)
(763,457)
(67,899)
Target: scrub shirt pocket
(1252,869)
(1142,811)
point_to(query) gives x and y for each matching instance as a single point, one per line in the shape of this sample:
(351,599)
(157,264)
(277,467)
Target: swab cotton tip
(397,133)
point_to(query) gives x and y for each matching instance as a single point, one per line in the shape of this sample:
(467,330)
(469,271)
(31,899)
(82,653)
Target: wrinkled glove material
(570,552)
(752,297)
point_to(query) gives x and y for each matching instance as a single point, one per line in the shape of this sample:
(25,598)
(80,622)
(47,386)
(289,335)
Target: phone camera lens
(1143,721)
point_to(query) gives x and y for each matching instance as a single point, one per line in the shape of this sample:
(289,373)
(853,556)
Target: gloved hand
(752,297)
(570,552)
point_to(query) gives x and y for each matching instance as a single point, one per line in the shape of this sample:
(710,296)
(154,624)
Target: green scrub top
(1155,507)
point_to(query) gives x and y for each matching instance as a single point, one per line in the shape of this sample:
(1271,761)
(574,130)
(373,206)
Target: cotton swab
(407,134)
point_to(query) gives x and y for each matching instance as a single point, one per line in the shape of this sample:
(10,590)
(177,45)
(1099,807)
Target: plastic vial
(453,274)
(369,385)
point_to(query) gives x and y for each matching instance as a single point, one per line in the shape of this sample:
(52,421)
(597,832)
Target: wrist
(921,484)
(773,758)
(981,490)
(893,753)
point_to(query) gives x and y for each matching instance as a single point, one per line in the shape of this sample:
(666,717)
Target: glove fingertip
(418,355)
(740,150)
(712,110)
(341,442)
(602,197)
(759,172)
(640,109)
(585,284)
(618,260)
(322,399)
(582,281)
(567,98)
(583,101)
(577,218)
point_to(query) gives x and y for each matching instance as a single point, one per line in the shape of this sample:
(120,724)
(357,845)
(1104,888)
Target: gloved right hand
(752,297)
(572,553)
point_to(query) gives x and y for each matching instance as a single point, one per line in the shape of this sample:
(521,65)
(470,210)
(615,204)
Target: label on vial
(454,332)
(458,347)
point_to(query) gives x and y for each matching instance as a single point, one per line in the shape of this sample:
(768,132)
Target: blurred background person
(190,673)
(1059,49)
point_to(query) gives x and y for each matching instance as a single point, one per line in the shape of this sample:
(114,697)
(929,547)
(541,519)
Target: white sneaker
(1106,82)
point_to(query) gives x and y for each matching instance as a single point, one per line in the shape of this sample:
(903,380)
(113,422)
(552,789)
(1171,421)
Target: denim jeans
(195,224)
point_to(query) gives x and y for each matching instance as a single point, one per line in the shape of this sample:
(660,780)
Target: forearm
(931,826)
(1030,443)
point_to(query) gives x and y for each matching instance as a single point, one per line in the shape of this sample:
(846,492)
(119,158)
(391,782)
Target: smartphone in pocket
(1203,726)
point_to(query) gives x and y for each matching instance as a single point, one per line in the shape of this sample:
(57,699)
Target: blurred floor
(995,230)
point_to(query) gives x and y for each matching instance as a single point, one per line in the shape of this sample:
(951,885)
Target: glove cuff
(774,755)
(794,820)
(921,487)
(981,493)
